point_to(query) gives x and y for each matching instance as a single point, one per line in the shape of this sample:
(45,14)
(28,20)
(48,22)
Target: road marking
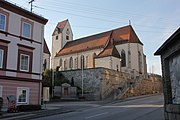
(136,106)
(96,115)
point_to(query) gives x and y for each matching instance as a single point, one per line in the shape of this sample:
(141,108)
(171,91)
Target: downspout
(40,76)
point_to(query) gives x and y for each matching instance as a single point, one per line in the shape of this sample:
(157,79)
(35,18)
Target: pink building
(21,54)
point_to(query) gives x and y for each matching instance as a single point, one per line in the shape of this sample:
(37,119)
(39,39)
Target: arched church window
(140,61)
(123,57)
(76,63)
(65,64)
(93,57)
(70,63)
(129,59)
(82,61)
(87,60)
(60,62)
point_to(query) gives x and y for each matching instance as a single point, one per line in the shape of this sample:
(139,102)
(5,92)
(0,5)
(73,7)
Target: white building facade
(21,54)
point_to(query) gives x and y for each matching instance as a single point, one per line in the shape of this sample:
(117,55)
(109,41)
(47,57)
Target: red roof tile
(60,25)
(110,51)
(101,40)
(84,44)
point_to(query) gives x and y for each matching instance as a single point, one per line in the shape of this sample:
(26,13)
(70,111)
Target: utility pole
(82,65)
(31,2)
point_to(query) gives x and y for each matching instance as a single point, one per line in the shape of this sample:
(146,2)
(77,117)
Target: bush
(26,108)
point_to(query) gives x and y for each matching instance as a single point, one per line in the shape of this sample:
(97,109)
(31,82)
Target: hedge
(26,108)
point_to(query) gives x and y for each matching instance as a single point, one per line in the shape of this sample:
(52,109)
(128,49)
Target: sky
(154,21)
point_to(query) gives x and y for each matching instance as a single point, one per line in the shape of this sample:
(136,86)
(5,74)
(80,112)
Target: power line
(104,28)
(102,9)
(96,18)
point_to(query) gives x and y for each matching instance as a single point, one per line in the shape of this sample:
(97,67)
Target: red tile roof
(84,44)
(61,25)
(109,51)
(46,49)
(121,35)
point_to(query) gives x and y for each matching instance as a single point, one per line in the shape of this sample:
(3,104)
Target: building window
(3,53)
(24,62)
(1,57)
(25,58)
(129,59)
(60,62)
(1,89)
(27,28)
(67,37)
(57,37)
(76,63)
(71,63)
(123,57)
(2,22)
(4,19)
(87,58)
(65,64)
(93,56)
(22,95)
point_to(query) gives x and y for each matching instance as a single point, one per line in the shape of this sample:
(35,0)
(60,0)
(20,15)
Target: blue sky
(153,20)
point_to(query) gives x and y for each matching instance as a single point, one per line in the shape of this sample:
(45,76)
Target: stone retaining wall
(102,83)
(98,83)
(151,85)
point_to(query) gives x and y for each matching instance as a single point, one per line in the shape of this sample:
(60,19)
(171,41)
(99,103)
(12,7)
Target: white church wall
(67,33)
(134,56)
(125,48)
(56,45)
(88,59)
(134,62)
(103,62)
(109,62)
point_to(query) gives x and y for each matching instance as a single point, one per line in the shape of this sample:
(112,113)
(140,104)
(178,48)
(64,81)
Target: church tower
(61,35)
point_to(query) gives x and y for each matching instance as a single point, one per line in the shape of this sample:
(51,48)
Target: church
(118,49)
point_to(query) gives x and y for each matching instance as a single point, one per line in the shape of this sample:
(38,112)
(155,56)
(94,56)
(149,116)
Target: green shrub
(25,108)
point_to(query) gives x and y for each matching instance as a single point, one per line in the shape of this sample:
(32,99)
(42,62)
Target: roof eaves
(168,41)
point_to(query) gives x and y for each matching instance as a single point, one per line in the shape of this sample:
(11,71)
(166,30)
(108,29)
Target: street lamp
(54,78)
(52,83)
(120,65)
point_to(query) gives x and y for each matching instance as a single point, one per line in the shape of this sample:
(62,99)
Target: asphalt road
(149,108)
